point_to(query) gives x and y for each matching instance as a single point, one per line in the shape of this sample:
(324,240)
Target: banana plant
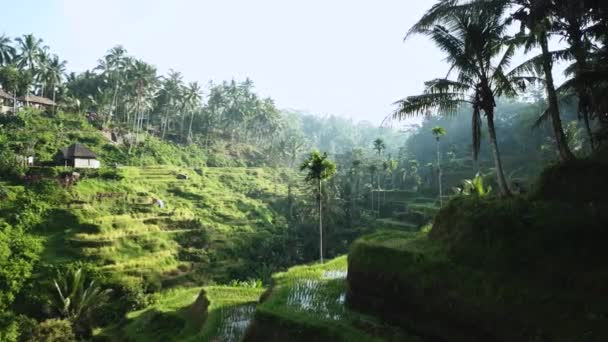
(474,187)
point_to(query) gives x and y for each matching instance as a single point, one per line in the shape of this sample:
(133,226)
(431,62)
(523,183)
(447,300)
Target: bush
(52,330)
(583,181)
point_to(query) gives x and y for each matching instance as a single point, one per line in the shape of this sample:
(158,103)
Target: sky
(338,57)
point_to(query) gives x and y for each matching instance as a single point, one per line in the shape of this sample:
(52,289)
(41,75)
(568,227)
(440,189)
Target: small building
(77,156)
(5,100)
(38,102)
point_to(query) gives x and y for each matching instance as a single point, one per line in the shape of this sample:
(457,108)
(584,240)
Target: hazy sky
(343,57)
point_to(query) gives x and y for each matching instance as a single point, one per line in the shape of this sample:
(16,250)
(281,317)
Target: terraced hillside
(205,216)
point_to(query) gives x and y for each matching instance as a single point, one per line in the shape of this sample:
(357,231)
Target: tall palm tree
(193,96)
(379,146)
(143,81)
(575,23)
(473,38)
(536,22)
(439,132)
(7,50)
(319,169)
(113,67)
(29,48)
(54,74)
(171,98)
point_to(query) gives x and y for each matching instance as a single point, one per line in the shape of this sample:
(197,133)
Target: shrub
(53,330)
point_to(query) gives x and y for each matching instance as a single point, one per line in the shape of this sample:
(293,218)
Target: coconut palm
(536,20)
(30,49)
(319,168)
(7,50)
(113,67)
(474,40)
(575,23)
(192,101)
(439,132)
(379,146)
(54,74)
(143,80)
(171,98)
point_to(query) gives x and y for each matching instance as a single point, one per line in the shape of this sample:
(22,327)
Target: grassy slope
(191,239)
(307,303)
(453,301)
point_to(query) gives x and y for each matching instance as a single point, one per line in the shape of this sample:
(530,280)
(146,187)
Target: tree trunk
(580,53)
(320,222)
(560,138)
(439,174)
(190,127)
(500,175)
(55,105)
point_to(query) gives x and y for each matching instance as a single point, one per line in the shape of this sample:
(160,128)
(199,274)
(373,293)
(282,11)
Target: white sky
(342,57)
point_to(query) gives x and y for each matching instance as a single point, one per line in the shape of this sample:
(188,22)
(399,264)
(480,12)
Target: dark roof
(5,95)
(37,99)
(77,151)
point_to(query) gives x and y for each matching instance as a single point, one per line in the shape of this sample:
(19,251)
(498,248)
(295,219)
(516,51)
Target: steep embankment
(495,269)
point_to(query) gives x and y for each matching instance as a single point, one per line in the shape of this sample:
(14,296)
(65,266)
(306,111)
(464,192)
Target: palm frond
(445,103)
(442,86)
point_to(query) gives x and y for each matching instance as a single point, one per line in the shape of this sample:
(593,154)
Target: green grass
(307,303)
(115,226)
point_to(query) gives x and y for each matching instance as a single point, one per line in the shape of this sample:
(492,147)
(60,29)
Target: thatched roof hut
(78,156)
(77,151)
(5,95)
(37,100)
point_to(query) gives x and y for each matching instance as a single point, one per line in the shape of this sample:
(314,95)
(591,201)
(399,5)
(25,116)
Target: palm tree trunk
(500,175)
(320,222)
(190,126)
(560,138)
(439,174)
(585,114)
(55,105)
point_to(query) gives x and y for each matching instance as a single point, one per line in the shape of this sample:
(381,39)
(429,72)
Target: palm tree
(143,81)
(193,96)
(536,17)
(439,132)
(319,169)
(171,97)
(75,300)
(379,146)
(7,50)
(114,66)
(29,48)
(474,38)
(574,22)
(54,74)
